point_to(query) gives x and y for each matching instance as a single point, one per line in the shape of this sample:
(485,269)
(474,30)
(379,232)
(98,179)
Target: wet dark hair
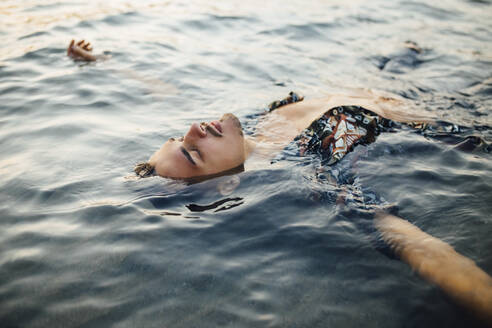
(144,170)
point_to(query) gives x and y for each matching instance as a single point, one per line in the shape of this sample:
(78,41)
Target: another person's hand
(80,51)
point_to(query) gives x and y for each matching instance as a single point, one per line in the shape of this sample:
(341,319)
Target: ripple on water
(34,35)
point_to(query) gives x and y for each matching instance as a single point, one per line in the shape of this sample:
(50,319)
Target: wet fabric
(339,130)
(344,128)
(330,138)
(291,98)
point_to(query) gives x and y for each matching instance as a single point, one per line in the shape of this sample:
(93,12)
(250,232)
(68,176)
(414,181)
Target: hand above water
(80,51)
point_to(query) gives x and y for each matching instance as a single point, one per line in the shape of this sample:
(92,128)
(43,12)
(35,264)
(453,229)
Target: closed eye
(188,156)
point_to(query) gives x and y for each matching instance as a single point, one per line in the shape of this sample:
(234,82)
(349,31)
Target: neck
(258,149)
(249,146)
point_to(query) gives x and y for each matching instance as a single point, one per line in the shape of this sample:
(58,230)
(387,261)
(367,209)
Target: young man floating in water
(330,128)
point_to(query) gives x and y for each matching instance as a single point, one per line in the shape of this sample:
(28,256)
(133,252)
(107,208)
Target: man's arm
(82,51)
(439,263)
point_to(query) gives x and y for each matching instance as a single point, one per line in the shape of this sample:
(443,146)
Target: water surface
(83,243)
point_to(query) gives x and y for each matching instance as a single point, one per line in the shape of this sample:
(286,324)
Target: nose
(195,132)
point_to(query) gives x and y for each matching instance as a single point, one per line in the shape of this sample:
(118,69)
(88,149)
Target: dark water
(85,244)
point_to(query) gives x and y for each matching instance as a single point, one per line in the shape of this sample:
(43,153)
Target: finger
(89,49)
(80,43)
(69,49)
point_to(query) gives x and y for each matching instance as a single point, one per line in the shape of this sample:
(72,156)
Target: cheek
(232,150)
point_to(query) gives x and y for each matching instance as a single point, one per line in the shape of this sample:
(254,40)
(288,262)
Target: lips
(216,125)
(214,128)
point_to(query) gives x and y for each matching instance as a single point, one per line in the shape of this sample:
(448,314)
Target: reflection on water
(85,243)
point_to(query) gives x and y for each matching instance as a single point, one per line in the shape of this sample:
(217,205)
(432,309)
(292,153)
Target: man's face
(207,148)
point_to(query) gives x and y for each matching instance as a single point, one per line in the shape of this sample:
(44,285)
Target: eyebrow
(187,155)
